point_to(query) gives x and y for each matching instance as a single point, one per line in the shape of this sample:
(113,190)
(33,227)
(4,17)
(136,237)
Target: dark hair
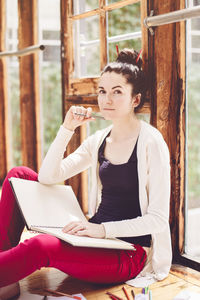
(130,66)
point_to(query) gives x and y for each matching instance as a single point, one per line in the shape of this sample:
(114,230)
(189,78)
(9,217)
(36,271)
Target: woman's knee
(22,172)
(44,246)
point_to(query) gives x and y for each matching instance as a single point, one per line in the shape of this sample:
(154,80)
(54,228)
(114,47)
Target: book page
(46,205)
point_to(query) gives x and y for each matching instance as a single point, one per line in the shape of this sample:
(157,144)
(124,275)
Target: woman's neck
(123,129)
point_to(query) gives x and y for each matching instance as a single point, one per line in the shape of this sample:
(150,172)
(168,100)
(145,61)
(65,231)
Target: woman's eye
(117,92)
(101,92)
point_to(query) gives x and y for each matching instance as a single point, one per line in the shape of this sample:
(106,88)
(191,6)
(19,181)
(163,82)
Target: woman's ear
(136,100)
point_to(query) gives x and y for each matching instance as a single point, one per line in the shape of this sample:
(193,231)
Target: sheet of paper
(141,297)
(187,295)
(142,281)
(27,296)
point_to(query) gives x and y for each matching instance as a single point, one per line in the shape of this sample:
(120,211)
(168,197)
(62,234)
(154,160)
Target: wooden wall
(167,88)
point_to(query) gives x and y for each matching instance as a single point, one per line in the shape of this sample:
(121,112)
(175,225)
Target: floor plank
(57,280)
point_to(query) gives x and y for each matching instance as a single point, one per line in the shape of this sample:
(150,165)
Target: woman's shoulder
(152,137)
(149,132)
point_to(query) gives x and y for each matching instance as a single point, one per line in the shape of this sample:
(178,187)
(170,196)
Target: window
(192,213)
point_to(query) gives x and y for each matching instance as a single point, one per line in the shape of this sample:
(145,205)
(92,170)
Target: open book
(48,208)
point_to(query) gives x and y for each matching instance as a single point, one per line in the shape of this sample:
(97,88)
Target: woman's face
(115,96)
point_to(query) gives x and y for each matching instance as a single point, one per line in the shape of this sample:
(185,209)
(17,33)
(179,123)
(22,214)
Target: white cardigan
(154,187)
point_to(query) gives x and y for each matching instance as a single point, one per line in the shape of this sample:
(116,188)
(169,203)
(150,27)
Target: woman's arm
(54,168)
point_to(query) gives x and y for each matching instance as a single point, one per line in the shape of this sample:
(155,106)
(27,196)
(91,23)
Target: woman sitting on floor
(129,197)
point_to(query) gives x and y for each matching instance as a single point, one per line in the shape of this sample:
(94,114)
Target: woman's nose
(108,98)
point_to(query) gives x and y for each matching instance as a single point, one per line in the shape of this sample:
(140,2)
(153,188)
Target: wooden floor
(180,278)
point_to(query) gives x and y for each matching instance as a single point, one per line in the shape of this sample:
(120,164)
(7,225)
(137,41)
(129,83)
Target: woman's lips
(108,109)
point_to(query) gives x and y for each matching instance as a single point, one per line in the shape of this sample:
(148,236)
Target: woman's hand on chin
(80,228)
(77,116)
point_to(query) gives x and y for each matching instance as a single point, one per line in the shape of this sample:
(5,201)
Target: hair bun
(130,56)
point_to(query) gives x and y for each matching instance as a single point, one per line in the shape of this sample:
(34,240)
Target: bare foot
(9,291)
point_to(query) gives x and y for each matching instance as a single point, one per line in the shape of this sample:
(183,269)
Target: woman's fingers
(85,229)
(81,112)
(77,116)
(74,227)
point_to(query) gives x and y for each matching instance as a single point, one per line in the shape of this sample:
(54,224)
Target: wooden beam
(78,182)
(147,66)
(67,55)
(167,50)
(103,35)
(109,7)
(29,85)
(4,135)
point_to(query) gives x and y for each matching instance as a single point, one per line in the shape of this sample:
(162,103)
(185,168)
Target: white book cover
(48,208)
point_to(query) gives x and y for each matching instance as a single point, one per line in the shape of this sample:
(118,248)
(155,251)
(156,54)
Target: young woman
(129,197)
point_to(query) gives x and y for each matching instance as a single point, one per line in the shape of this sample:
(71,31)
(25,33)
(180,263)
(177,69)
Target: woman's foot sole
(9,291)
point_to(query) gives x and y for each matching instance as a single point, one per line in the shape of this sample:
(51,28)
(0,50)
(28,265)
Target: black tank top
(120,193)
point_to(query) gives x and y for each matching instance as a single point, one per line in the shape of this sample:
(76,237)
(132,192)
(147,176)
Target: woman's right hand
(72,120)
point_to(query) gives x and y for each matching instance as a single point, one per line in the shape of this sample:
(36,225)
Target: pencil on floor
(133,294)
(63,294)
(114,296)
(126,293)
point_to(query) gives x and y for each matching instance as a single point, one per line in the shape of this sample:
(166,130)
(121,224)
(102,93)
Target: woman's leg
(89,264)
(11,221)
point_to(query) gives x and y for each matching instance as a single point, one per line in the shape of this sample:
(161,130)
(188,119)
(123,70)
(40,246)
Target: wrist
(68,127)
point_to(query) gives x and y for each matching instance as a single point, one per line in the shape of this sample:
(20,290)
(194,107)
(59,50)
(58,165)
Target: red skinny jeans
(18,260)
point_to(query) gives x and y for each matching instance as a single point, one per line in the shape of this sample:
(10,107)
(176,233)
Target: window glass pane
(86,47)
(51,53)
(51,35)
(192,238)
(13,83)
(81,6)
(87,29)
(135,44)
(124,20)
(50,70)
(124,29)
(112,1)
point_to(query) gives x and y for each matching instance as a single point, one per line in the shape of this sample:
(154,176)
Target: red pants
(89,264)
